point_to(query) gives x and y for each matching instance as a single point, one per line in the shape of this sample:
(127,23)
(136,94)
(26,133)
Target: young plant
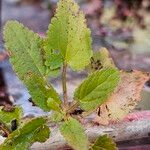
(67,44)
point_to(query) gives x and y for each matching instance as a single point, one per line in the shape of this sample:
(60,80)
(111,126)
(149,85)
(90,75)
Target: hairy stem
(64,85)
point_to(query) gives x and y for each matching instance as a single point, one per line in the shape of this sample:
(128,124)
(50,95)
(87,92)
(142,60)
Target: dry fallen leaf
(124,99)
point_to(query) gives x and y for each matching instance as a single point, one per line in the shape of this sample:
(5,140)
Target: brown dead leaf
(124,99)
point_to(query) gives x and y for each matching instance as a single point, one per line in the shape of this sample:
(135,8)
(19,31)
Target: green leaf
(100,59)
(74,134)
(27,60)
(53,73)
(25,49)
(69,34)
(104,143)
(51,103)
(96,88)
(21,139)
(57,116)
(41,91)
(7,117)
(55,61)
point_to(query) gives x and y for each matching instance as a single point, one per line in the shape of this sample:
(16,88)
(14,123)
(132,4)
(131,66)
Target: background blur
(122,26)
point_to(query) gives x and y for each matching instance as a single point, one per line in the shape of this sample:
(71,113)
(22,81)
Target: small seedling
(67,44)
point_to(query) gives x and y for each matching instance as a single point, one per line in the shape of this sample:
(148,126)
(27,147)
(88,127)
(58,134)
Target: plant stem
(64,85)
